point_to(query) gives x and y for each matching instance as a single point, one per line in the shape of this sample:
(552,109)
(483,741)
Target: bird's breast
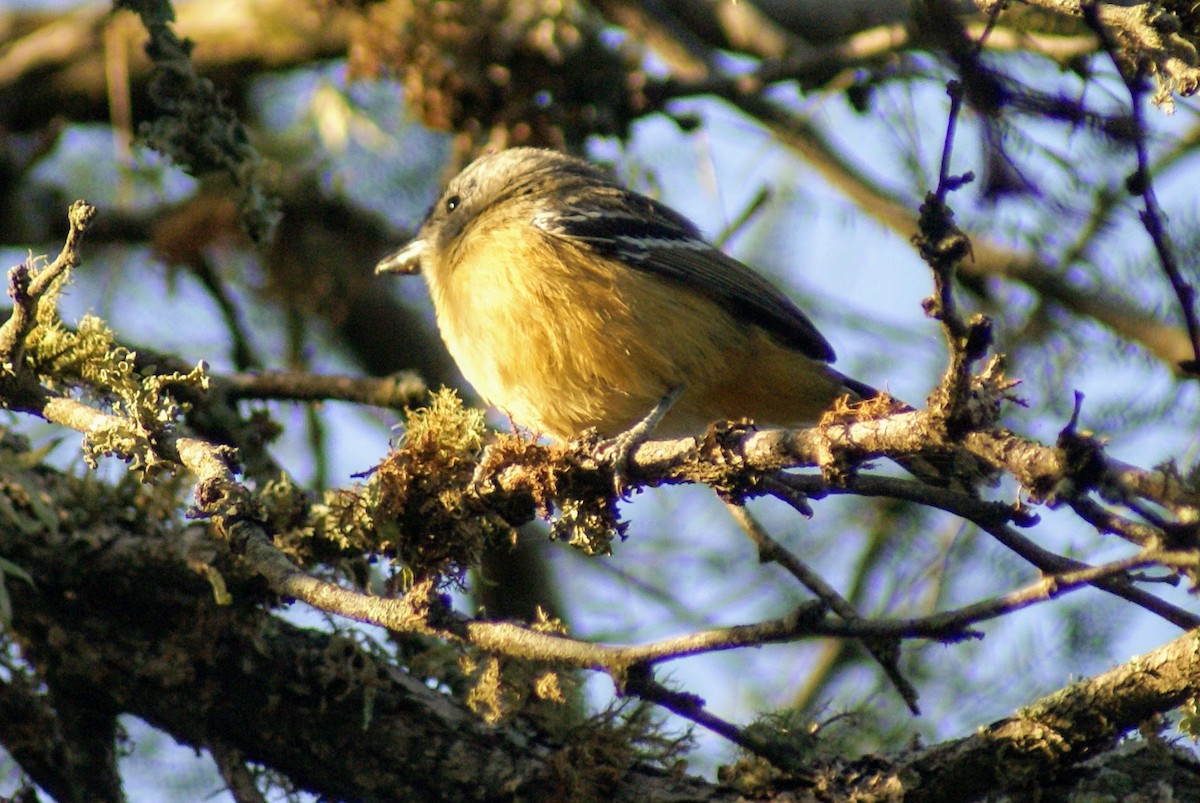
(562,339)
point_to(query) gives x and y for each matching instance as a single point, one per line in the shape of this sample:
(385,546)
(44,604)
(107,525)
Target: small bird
(571,302)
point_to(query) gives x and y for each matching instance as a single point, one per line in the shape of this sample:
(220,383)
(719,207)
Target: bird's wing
(648,236)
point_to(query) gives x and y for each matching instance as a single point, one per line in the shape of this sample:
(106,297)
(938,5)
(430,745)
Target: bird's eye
(452,203)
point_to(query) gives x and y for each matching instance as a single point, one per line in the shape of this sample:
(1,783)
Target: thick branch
(1061,729)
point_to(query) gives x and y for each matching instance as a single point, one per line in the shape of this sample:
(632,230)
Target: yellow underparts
(563,341)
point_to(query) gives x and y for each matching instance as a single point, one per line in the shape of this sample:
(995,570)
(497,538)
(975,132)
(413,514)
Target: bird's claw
(618,450)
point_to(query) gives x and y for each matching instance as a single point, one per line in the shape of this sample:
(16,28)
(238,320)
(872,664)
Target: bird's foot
(619,449)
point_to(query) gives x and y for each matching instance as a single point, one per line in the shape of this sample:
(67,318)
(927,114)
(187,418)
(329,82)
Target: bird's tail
(954,468)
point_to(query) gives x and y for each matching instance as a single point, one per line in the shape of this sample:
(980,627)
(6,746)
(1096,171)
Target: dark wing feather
(649,236)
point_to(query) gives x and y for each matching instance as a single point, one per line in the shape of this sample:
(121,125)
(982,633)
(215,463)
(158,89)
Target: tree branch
(1061,729)
(1141,183)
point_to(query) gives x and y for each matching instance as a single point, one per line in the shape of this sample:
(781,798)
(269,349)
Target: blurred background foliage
(343,118)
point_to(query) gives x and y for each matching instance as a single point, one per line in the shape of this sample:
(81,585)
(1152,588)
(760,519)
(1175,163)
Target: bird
(572,303)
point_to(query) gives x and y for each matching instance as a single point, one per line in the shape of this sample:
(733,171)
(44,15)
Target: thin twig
(244,354)
(959,619)
(1052,563)
(691,707)
(993,518)
(751,209)
(400,390)
(1141,183)
(946,184)
(886,654)
(239,780)
(27,287)
(1106,521)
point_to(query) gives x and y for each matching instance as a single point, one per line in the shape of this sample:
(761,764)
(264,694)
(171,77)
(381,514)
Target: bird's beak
(406,261)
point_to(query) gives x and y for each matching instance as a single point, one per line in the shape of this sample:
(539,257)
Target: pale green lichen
(420,499)
(1189,720)
(88,362)
(589,525)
